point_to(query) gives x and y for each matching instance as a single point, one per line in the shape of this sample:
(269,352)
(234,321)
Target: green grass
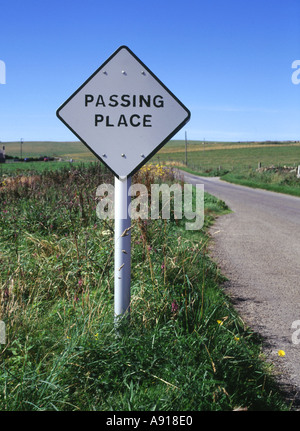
(238,162)
(207,159)
(30,168)
(66,150)
(275,180)
(63,150)
(185,348)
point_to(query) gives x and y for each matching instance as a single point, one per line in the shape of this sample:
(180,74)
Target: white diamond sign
(123,113)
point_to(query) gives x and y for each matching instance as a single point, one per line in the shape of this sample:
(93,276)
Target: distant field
(202,157)
(66,150)
(229,155)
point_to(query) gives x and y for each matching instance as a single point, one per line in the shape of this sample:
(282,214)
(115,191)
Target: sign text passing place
(123,113)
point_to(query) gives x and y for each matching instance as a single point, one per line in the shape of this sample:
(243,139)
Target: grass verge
(185,348)
(275,180)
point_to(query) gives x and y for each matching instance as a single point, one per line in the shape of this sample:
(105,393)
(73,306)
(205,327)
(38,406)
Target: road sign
(123,113)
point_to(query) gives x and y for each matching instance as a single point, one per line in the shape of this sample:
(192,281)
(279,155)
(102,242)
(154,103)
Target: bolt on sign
(123,113)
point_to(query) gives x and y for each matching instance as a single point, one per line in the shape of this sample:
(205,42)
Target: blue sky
(229,62)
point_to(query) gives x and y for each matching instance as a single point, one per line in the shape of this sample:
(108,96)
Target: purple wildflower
(174,307)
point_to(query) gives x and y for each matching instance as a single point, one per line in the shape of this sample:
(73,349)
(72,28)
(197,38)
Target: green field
(66,150)
(267,165)
(201,157)
(60,150)
(233,161)
(237,156)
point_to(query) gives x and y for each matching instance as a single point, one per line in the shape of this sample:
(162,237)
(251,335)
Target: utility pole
(21,143)
(186,149)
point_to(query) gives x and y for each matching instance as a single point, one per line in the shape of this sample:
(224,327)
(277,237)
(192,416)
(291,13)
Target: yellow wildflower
(281,353)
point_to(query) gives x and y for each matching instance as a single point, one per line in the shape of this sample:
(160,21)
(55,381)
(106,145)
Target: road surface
(257,247)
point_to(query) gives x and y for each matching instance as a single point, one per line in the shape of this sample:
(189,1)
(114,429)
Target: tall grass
(184,348)
(275,179)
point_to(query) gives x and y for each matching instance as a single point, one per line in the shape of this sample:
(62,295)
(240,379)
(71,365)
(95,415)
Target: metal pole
(122,249)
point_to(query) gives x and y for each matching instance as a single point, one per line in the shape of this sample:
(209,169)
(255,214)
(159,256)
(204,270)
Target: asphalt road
(257,247)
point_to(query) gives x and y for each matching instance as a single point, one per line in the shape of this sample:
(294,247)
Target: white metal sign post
(124,114)
(122,247)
